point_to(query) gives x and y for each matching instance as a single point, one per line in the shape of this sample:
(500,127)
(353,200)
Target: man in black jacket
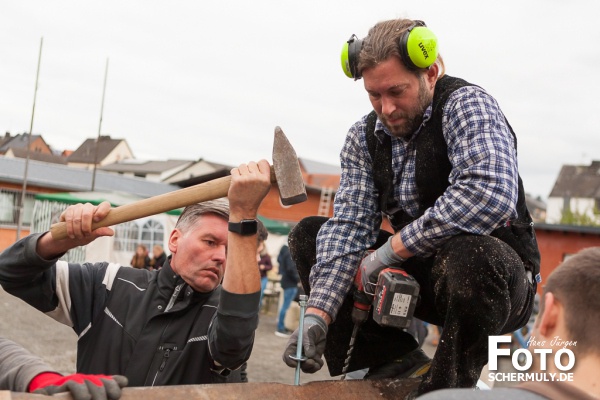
(289,284)
(437,157)
(191,322)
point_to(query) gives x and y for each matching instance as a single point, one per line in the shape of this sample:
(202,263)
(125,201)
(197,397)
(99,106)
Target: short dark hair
(263,234)
(575,284)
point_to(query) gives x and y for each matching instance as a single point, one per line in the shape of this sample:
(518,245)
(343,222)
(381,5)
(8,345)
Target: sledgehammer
(285,172)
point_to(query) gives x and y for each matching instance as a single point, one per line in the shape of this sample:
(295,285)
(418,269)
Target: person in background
(158,257)
(569,308)
(289,284)
(21,371)
(140,259)
(191,322)
(264,265)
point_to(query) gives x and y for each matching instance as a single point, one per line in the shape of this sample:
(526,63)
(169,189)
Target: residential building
(536,207)
(198,172)
(101,151)
(34,155)
(19,142)
(576,190)
(155,171)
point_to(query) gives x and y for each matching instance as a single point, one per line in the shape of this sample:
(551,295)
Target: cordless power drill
(395,300)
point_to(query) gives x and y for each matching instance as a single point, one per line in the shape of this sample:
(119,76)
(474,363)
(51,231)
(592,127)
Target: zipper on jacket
(174,297)
(166,348)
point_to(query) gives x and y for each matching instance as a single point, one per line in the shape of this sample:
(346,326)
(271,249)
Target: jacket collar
(168,280)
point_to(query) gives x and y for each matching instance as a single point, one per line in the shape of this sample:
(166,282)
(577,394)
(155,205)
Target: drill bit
(350,349)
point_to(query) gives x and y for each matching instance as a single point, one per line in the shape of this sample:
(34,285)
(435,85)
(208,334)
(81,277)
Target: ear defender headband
(417,45)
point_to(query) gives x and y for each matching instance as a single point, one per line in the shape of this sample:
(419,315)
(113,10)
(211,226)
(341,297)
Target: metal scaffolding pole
(99,128)
(21,205)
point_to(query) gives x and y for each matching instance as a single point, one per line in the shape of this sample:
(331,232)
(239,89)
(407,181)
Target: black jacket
(287,268)
(433,167)
(147,325)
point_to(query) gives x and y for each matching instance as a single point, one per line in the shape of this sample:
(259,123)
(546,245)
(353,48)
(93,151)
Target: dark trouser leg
(479,288)
(374,344)
(474,287)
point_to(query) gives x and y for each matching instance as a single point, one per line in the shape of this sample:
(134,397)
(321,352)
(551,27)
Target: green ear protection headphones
(417,45)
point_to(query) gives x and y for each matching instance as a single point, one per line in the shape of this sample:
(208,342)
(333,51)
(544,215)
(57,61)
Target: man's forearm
(48,248)
(20,262)
(231,334)
(242,275)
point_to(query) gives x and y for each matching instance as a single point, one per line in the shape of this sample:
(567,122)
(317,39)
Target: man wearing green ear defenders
(437,157)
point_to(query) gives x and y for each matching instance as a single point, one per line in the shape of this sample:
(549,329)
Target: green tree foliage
(583,219)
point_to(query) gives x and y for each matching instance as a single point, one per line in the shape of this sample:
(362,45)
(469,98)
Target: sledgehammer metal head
(287,170)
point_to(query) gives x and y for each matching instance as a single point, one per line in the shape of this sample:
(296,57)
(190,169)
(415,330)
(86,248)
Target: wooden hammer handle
(211,190)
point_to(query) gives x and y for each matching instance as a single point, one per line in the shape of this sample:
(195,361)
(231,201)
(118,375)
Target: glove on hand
(371,265)
(81,386)
(313,343)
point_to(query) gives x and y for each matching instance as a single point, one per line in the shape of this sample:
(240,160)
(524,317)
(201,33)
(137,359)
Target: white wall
(580,206)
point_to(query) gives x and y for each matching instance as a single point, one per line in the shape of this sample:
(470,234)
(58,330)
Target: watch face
(249,227)
(245,227)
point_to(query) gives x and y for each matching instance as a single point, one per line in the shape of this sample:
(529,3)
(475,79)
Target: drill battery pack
(395,298)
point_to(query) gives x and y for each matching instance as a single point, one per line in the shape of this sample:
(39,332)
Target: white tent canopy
(118,248)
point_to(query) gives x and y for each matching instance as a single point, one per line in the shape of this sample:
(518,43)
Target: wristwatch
(245,227)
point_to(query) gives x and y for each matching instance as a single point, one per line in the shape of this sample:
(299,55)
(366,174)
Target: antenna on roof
(99,128)
(24,189)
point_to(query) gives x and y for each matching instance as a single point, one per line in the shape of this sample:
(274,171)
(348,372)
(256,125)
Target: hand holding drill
(374,263)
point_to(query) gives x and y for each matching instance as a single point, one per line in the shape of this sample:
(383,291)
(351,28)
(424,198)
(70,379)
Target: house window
(129,235)
(126,236)
(9,207)
(153,232)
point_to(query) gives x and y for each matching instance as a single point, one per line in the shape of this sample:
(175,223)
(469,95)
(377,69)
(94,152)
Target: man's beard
(412,119)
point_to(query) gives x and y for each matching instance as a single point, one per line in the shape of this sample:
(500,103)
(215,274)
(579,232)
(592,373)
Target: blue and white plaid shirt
(481,197)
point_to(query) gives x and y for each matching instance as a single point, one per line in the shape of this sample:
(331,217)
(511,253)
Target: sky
(189,79)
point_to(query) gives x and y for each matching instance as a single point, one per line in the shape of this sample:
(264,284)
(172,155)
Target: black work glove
(374,263)
(81,386)
(313,344)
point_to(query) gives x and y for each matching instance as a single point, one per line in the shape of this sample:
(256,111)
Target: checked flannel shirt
(481,197)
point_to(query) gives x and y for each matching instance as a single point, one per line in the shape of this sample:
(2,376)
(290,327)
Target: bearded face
(398,96)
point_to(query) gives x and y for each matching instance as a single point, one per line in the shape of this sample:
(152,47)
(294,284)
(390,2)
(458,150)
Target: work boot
(412,365)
